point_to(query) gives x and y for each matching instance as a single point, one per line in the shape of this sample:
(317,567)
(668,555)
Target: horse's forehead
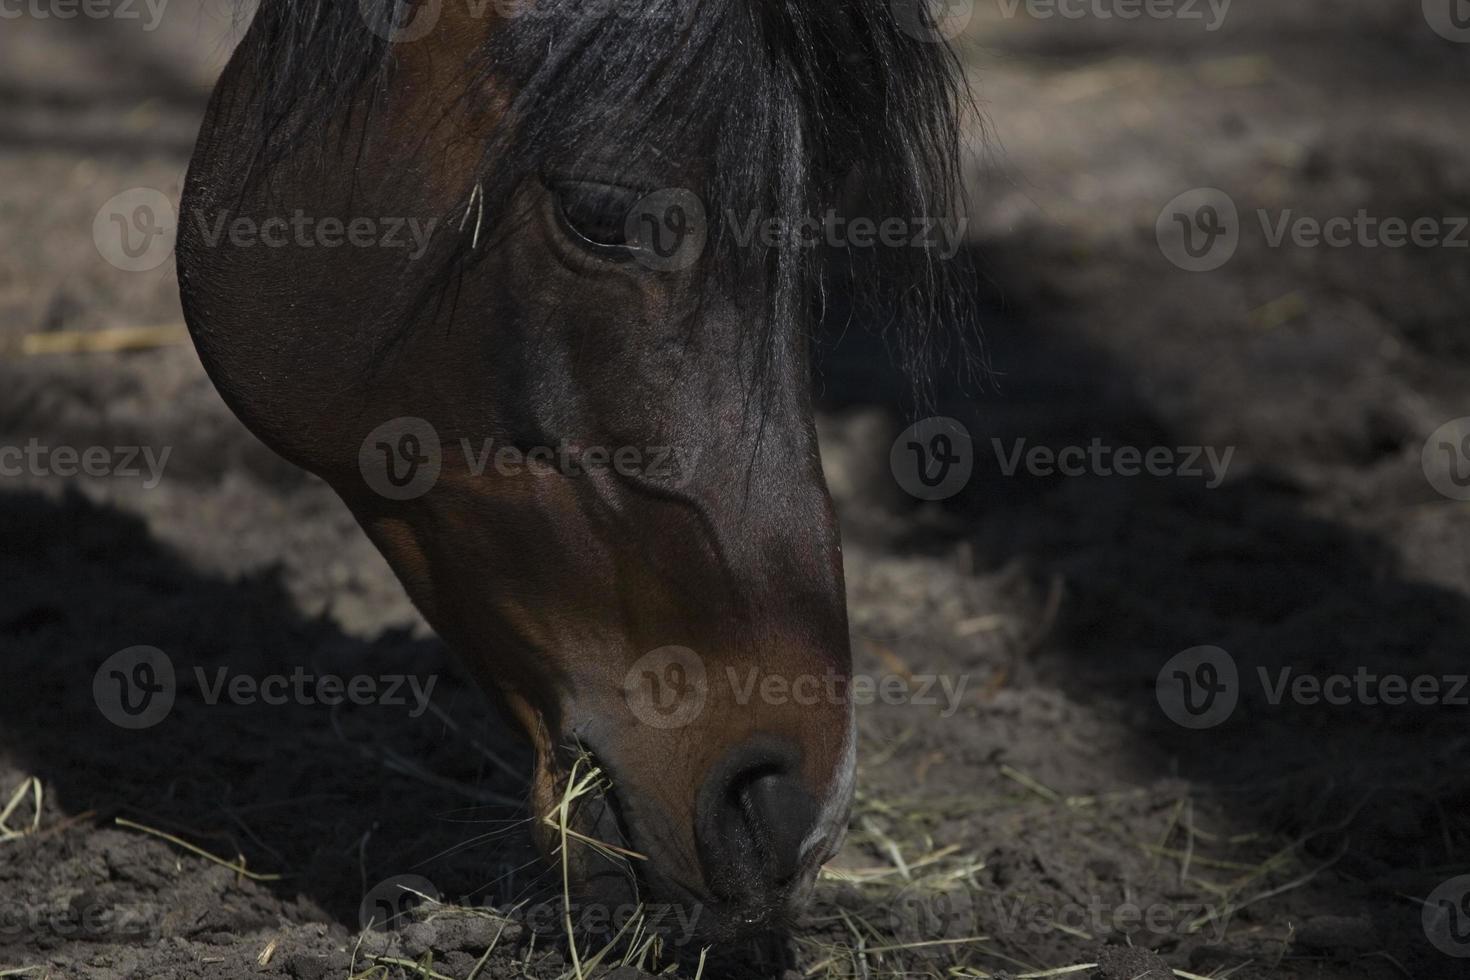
(620,145)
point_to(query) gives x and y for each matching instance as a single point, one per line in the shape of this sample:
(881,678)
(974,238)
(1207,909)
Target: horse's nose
(753,818)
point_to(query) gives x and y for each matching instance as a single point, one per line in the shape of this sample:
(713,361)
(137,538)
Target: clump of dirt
(1037,812)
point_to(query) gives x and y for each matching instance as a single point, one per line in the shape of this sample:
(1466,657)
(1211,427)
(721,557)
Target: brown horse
(486,267)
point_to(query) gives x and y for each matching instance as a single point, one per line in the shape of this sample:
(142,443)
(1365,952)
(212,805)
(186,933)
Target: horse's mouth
(622,866)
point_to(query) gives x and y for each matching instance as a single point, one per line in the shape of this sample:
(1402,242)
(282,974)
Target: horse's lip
(650,878)
(613,800)
(717,919)
(725,921)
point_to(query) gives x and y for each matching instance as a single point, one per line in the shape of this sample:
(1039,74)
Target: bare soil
(1057,812)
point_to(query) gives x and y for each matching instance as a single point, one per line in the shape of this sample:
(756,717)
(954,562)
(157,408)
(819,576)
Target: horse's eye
(595,215)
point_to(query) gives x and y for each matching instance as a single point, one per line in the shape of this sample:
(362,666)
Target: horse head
(571,404)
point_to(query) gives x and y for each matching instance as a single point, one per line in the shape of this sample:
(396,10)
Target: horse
(590,295)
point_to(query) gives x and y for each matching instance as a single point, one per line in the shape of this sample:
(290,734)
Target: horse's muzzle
(756,827)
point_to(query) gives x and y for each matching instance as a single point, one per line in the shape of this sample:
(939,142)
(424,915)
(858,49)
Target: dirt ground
(1056,819)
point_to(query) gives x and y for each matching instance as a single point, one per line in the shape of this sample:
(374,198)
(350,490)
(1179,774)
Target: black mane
(783,108)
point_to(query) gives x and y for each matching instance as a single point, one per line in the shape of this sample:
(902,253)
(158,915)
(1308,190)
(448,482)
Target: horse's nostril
(753,817)
(779,815)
